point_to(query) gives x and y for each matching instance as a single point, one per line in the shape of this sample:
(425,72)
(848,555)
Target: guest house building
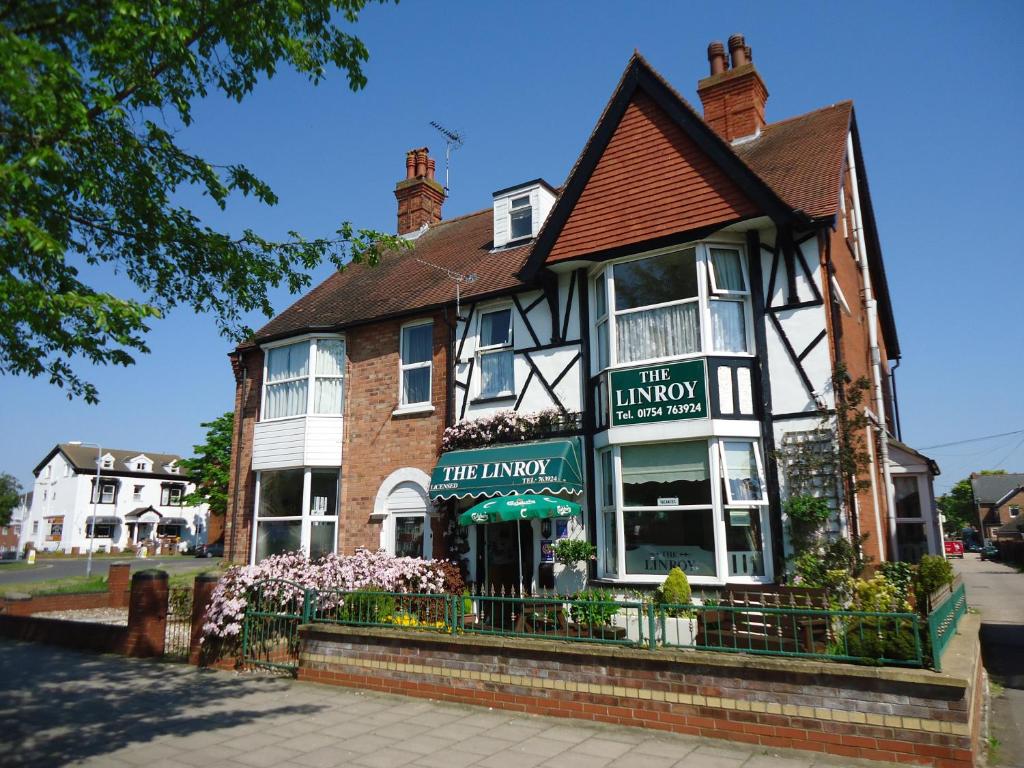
(652,346)
(111,500)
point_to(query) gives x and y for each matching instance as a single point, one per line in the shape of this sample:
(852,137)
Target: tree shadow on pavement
(60,706)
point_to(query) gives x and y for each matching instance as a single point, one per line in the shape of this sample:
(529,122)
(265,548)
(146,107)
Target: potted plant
(676,621)
(593,613)
(572,555)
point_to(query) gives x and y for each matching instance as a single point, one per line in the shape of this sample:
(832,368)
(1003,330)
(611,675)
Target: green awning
(526,507)
(552,466)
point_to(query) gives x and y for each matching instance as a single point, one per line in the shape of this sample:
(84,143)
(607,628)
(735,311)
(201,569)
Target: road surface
(997,591)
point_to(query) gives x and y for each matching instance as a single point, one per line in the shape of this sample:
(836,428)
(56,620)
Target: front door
(503,552)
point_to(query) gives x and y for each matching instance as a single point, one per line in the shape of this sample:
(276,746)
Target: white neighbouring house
(138,498)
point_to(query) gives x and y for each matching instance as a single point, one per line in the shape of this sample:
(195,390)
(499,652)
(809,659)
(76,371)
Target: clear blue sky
(937,90)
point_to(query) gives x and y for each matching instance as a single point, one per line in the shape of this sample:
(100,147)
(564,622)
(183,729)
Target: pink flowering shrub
(292,573)
(506,427)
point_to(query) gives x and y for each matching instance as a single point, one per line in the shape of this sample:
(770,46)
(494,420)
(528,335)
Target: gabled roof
(83,459)
(639,76)
(988,489)
(406,281)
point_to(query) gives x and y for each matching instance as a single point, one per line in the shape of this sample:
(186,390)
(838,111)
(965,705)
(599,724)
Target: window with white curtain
(496,354)
(416,355)
(294,387)
(672,304)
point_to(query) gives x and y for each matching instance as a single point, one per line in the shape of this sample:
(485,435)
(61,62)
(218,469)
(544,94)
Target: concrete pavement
(62,568)
(64,708)
(997,591)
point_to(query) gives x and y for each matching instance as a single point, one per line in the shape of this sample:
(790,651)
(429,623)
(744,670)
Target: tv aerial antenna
(458,278)
(452,140)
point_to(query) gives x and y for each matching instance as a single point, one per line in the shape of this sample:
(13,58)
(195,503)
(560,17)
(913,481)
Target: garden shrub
(367,606)
(900,575)
(674,591)
(932,572)
(571,551)
(594,607)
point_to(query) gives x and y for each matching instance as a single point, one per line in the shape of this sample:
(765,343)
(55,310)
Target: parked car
(990,552)
(210,550)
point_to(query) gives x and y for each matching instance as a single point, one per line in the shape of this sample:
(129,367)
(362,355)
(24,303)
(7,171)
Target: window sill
(412,410)
(494,399)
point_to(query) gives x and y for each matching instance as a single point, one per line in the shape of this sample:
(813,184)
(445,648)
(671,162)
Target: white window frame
(486,349)
(310,340)
(742,503)
(514,209)
(719,508)
(137,492)
(706,293)
(103,492)
(419,405)
(306,517)
(1014,510)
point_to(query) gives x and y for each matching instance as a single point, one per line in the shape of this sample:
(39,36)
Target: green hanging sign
(666,392)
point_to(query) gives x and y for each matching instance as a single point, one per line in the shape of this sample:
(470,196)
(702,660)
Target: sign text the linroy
(497,470)
(659,393)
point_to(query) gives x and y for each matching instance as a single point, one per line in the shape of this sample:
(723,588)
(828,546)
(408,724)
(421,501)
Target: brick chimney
(733,97)
(419,195)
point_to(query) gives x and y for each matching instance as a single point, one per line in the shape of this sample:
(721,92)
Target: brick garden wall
(909,716)
(116,596)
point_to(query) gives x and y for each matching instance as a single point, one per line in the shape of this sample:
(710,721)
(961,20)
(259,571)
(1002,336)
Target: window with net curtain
(496,355)
(288,378)
(728,301)
(667,513)
(416,352)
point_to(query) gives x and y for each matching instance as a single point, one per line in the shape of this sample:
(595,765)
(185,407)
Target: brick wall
(237,523)
(910,716)
(116,596)
(376,441)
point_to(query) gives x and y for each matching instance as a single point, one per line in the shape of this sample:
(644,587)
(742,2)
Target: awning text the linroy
(535,468)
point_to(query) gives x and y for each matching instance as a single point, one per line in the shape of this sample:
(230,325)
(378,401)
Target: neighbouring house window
(672,304)
(102,531)
(496,353)
(296,509)
(416,364)
(406,527)
(137,493)
(294,387)
(520,217)
(108,492)
(168,530)
(108,462)
(35,527)
(1014,510)
(171,495)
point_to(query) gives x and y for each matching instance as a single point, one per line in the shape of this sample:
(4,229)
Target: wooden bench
(751,629)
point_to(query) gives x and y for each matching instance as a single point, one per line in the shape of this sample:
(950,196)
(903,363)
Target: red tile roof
(801,158)
(404,282)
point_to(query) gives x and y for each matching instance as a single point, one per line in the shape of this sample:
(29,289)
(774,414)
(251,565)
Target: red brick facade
(248,368)
(378,442)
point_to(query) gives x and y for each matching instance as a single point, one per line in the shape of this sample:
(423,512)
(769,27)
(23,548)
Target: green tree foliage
(211,466)
(92,95)
(957,505)
(10,496)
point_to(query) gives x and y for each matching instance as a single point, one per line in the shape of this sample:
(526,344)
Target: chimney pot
(716,57)
(738,50)
(419,196)
(410,164)
(421,162)
(431,166)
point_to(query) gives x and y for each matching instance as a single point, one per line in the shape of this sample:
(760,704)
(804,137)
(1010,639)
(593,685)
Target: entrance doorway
(503,551)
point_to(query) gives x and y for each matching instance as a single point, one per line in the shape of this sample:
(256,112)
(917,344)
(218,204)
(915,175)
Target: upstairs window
(520,217)
(137,493)
(1015,511)
(496,353)
(171,495)
(107,493)
(295,388)
(416,364)
(684,302)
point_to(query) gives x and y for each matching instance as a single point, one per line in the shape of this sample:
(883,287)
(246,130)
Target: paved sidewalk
(64,708)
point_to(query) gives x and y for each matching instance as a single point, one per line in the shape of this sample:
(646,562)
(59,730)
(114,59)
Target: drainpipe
(876,362)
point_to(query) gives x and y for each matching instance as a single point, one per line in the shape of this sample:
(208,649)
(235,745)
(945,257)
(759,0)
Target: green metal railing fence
(943,621)
(892,639)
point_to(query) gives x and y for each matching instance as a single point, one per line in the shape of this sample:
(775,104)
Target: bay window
(416,364)
(296,509)
(698,505)
(294,387)
(679,302)
(911,532)
(495,353)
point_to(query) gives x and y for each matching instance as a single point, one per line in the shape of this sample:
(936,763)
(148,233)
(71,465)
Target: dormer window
(520,218)
(519,212)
